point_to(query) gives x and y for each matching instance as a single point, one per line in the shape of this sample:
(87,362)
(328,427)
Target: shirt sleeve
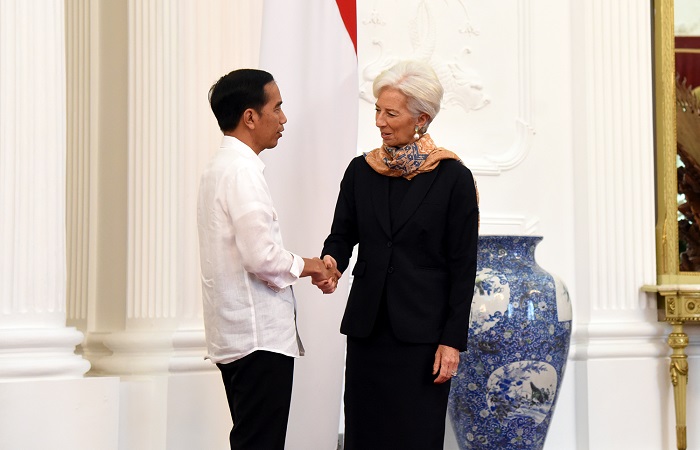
(256,232)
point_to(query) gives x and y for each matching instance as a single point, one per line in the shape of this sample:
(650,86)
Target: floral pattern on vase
(504,394)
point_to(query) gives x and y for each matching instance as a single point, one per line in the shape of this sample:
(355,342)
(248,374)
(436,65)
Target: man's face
(270,122)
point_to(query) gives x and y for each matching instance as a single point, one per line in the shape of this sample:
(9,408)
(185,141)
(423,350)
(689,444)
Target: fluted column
(81,158)
(34,341)
(156,300)
(155,162)
(140,130)
(614,156)
(618,344)
(175,50)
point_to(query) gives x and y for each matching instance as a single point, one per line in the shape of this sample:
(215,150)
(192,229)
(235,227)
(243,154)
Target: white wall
(501,68)
(550,104)
(553,114)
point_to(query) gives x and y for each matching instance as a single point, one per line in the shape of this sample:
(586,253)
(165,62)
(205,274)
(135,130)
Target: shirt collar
(242,150)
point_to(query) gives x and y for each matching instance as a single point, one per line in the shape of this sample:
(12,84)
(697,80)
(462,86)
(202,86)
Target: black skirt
(391,401)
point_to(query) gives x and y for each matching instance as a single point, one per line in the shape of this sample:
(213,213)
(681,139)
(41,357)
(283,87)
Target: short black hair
(235,92)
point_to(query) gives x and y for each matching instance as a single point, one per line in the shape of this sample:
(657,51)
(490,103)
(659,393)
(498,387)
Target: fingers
(446,363)
(326,273)
(441,378)
(332,265)
(328,286)
(436,364)
(327,280)
(323,272)
(330,262)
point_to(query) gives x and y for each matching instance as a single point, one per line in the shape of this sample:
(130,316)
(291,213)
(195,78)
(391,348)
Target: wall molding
(509,224)
(600,341)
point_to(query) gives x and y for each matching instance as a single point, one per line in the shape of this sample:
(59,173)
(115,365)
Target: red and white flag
(309,47)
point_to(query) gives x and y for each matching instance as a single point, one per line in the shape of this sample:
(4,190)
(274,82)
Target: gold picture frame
(665,123)
(665,133)
(678,291)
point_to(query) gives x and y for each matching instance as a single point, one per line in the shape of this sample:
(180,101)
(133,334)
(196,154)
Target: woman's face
(394,120)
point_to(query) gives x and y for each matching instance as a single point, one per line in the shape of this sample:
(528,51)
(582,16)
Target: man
(247,275)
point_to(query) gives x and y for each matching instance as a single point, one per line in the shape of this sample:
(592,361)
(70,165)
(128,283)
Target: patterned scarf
(410,160)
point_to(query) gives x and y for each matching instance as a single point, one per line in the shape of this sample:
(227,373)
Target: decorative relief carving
(462,83)
(680,305)
(678,369)
(471,67)
(678,340)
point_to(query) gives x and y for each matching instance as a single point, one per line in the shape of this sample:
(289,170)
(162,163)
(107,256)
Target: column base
(42,353)
(136,353)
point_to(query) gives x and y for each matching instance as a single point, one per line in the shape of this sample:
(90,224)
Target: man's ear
(249,116)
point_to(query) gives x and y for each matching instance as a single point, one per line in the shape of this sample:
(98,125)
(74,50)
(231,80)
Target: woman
(412,208)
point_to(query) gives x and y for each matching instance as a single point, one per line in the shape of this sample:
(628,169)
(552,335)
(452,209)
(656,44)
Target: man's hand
(329,281)
(324,274)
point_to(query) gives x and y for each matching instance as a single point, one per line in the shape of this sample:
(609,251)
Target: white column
(618,156)
(81,158)
(176,51)
(618,347)
(34,341)
(155,161)
(142,131)
(41,377)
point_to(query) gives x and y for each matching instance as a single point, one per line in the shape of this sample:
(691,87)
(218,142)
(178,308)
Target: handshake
(324,273)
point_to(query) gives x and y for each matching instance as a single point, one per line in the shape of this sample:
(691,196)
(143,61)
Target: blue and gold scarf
(410,160)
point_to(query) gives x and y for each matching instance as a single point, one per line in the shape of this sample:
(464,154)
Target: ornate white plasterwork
(508,224)
(485,70)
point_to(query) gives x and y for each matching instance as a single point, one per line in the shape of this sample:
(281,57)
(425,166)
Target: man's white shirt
(247,275)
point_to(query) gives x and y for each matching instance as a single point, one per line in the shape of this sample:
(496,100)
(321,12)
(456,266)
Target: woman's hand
(324,273)
(446,363)
(328,282)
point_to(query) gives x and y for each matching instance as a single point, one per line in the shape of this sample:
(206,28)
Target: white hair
(418,82)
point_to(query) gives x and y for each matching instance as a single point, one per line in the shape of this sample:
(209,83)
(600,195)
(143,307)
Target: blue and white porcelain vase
(504,394)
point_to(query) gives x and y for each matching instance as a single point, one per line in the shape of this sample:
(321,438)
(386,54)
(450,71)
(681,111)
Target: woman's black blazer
(425,260)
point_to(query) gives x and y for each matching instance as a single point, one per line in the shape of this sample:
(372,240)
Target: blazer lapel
(380,199)
(415,195)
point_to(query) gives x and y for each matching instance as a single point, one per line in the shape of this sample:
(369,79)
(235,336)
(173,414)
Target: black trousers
(259,391)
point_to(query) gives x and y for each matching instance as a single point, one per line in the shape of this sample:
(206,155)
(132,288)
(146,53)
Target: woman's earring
(416,136)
